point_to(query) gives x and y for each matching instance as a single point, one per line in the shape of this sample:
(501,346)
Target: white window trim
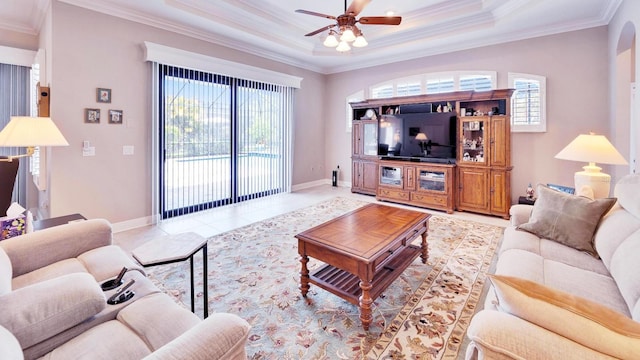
(187,59)
(542,127)
(15,56)
(357,96)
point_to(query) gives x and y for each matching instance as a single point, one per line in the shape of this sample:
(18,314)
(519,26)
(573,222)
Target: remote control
(121,291)
(120,275)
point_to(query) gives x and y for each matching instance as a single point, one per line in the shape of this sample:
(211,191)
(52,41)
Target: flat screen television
(397,137)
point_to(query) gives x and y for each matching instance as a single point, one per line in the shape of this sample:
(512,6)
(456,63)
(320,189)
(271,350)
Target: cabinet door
(356,141)
(500,141)
(473,139)
(433,180)
(370,176)
(410,176)
(500,192)
(391,175)
(474,185)
(356,177)
(370,138)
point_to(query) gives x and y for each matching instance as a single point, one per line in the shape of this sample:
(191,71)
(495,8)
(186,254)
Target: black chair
(8,173)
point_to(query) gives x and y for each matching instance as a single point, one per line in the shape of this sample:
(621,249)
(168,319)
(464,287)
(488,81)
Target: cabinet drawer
(428,199)
(386,256)
(393,194)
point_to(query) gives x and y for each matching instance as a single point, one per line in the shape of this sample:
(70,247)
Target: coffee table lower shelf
(347,285)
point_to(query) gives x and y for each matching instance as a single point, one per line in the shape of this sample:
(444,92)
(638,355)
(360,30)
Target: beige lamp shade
(593,149)
(25,131)
(421,136)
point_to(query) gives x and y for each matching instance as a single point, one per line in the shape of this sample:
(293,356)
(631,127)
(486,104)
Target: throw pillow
(580,320)
(627,191)
(568,219)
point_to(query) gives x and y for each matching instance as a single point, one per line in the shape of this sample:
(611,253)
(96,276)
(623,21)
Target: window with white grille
(528,110)
(440,85)
(477,82)
(358,96)
(407,88)
(382,91)
(430,83)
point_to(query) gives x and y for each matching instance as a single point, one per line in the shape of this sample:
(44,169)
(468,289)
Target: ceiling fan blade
(380,20)
(320,30)
(315,14)
(356,6)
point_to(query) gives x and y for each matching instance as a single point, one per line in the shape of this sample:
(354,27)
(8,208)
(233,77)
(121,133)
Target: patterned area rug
(254,273)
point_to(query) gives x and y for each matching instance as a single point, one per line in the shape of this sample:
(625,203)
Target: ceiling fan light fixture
(343,46)
(331,40)
(360,41)
(348,35)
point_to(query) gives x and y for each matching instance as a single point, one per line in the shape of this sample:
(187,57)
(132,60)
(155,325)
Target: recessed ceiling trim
(11,25)
(312,57)
(241,22)
(163,24)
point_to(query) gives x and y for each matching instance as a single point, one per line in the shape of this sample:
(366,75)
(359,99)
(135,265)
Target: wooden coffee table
(365,251)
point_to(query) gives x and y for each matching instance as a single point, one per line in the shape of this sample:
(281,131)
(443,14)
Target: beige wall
(575,65)
(93,50)
(623,29)
(86,50)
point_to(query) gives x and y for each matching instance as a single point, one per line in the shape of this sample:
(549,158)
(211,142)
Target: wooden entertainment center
(403,169)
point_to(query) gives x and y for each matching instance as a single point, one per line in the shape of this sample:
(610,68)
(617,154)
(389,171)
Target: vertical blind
(222,140)
(15,101)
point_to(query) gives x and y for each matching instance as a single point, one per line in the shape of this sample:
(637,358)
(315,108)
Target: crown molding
(163,24)
(298,53)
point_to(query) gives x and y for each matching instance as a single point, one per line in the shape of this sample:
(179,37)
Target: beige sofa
(552,301)
(53,307)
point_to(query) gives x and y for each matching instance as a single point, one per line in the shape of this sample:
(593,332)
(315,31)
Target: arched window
(357,96)
(434,83)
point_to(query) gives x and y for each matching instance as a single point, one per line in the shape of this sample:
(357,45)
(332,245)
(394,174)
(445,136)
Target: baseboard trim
(311,184)
(134,223)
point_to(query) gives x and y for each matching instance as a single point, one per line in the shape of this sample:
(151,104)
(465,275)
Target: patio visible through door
(223,140)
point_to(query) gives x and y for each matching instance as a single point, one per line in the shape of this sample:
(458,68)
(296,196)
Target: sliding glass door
(223,140)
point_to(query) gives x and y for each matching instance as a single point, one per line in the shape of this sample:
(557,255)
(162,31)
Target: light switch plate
(127,150)
(89,151)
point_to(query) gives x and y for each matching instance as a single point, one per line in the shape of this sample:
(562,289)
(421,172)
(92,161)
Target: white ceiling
(272,28)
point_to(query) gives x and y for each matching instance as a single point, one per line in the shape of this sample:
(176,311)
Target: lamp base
(598,181)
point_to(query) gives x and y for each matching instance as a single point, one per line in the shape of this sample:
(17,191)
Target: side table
(175,248)
(60,220)
(526,201)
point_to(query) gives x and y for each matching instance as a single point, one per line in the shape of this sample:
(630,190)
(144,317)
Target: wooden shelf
(347,285)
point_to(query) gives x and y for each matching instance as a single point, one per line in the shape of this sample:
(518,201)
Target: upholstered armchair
(52,304)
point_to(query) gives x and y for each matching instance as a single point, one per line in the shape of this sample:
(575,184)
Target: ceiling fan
(347,31)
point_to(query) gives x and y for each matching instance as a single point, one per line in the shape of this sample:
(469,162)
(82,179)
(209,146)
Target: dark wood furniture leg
(365,304)
(425,248)
(304,275)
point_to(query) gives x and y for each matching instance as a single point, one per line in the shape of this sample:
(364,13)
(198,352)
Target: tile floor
(215,221)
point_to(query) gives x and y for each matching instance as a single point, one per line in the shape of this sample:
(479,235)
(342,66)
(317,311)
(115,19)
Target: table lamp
(593,149)
(422,137)
(29,132)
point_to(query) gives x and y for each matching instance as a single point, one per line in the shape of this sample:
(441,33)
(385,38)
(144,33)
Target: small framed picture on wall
(103,95)
(92,116)
(115,116)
